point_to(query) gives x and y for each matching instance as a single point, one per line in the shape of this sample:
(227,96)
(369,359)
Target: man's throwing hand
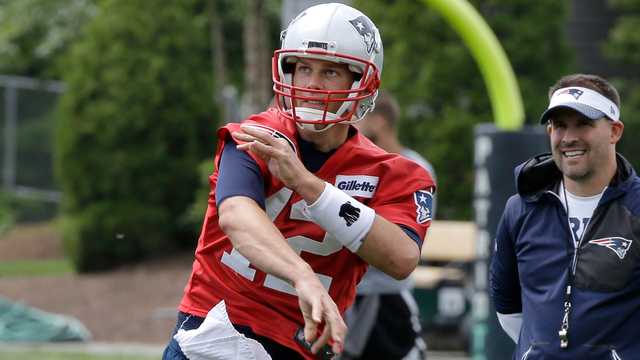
(282,161)
(318,307)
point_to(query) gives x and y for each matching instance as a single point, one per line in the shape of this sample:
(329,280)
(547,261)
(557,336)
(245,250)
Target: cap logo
(589,102)
(365,28)
(576,93)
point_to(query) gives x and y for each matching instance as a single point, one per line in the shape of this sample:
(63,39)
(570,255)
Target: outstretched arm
(256,238)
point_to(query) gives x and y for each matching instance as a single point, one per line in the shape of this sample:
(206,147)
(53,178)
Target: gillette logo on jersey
(357,185)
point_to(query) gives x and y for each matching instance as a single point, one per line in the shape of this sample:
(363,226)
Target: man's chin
(576,175)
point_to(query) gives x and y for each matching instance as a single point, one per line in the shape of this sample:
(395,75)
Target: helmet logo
(365,28)
(318,44)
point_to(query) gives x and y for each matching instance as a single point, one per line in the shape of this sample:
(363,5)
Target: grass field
(78,351)
(38,355)
(35,267)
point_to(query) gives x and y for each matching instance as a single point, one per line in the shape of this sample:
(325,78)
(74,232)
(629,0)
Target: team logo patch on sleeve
(618,245)
(424,205)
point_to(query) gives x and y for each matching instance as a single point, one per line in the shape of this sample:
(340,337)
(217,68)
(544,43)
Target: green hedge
(133,125)
(111,233)
(622,49)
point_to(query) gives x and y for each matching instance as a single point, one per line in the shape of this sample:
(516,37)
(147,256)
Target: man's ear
(548,127)
(617,128)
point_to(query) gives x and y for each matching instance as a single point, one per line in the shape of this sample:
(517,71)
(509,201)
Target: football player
(301,202)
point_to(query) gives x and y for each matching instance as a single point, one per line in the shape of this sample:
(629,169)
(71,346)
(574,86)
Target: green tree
(441,89)
(623,49)
(134,123)
(35,34)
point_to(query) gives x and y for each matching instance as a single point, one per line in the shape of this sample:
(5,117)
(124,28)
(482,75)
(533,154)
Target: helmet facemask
(364,86)
(336,33)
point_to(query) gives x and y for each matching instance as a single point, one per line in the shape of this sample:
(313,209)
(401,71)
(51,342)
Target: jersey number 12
(274,206)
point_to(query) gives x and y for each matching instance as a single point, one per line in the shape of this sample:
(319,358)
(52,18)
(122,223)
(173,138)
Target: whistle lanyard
(563,333)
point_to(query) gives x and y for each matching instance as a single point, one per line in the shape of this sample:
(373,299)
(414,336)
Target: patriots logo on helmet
(424,205)
(365,28)
(576,93)
(618,245)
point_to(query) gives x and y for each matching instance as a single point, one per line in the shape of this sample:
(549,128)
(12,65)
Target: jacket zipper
(526,353)
(563,333)
(614,355)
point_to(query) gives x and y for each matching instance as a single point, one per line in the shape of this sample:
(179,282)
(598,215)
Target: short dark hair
(593,82)
(387,107)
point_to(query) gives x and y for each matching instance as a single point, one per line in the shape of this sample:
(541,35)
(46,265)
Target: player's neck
(328,140)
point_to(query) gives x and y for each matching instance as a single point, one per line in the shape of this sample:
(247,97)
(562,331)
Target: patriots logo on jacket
(576,93)
(424,205)
(618,245)
(364,27)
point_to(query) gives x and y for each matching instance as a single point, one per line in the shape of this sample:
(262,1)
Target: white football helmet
(331,32)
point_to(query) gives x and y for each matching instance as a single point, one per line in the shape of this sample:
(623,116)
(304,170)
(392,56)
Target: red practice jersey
(396,188)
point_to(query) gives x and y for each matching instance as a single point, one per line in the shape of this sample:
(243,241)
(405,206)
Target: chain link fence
(27,125)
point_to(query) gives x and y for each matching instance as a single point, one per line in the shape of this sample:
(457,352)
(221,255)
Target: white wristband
(344,217)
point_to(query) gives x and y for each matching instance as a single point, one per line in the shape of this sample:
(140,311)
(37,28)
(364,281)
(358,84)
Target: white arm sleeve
(511,324)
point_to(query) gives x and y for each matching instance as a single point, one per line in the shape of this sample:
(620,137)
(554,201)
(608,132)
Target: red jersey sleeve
(407,199)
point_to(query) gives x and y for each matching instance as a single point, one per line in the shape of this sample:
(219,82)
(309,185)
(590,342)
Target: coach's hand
(317,307)
(282,161)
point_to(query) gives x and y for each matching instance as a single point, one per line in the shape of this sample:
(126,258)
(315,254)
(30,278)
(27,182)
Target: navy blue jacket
(532,265)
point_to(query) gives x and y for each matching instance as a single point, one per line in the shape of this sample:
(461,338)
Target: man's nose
(315,80)
(570,135)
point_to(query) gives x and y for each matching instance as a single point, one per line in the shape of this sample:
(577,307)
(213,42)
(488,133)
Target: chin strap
(312,127)
(306,113)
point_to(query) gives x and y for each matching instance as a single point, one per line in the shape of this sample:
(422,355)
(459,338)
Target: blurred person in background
(301,203)
(565,273)
(384,322)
